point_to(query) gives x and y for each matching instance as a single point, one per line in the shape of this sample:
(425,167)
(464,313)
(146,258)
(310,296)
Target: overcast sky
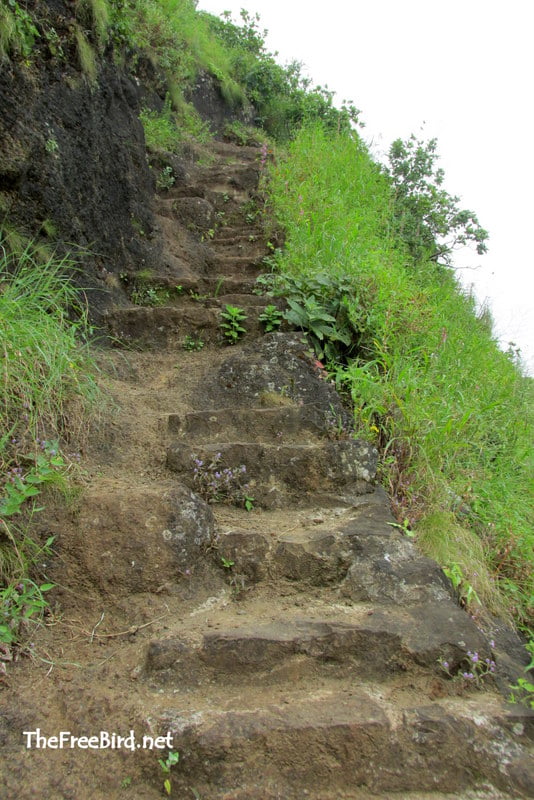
(463,71)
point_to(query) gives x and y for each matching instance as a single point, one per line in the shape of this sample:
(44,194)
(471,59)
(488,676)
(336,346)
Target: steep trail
(290,650)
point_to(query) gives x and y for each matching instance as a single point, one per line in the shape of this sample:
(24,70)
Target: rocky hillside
(229,580)
(232,579)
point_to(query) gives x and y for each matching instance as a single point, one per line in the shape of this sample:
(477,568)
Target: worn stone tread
(349,741)
(291,422)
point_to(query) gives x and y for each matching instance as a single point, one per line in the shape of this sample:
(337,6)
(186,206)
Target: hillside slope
(292,649)
(228,569)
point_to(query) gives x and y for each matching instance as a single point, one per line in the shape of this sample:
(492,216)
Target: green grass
(48,393)
(166,130)
(46,368)
(86,56)
(95,14)
(452,414)
(17,31)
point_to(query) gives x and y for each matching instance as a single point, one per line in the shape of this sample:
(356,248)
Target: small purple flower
(474,657)
(446,664)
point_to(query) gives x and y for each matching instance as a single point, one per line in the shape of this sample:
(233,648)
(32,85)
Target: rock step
(482,791)
(389,569)
(250,265)
(241,177)
(229,285)
(274,472)
(229,235)
(341,741)
(164,326)
(364,644)
(251,250)
(230,149)
(241,299)
(289,424)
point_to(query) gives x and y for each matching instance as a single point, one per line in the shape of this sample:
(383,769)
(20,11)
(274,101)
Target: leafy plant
(193,343)
(317,306)
(166,766)
(18,31)
(165,179)
(21,604)
(405,527)
(231,319)
(523,686)
(466,592)
(248,502)
(271,318)
(51,146)
(281,95)
(48,386)
(227,563)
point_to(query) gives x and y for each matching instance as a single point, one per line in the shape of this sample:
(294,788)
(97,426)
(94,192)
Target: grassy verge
(47,393)
(452,414)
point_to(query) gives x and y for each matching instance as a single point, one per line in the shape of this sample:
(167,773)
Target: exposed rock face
(73,155)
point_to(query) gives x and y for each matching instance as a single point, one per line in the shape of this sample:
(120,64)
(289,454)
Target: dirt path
(286,651)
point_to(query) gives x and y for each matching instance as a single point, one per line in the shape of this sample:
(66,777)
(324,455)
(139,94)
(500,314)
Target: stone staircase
(316,672)
(291,650)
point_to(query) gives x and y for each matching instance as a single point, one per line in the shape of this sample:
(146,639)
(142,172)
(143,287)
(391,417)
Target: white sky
(464,69)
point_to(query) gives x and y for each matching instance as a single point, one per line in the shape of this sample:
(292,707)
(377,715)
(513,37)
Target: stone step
(354,545)
(337,742)
(253,250)
(233,150)
(235,234)
(278,368)
(228,284)
(166,326)
(241,177)
(362,643)
(273,473)
(274,791)
(237,265)
(240,299)
(286,424)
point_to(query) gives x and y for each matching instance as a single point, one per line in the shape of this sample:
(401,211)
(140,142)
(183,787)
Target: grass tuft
(86,56)
(46,369)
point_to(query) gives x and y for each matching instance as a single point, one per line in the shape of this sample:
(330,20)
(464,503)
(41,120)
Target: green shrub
(17,30)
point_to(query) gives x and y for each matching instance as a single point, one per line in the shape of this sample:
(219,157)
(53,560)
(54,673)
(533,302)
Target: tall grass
(46,373)
(452,414)
(179,41)
(47,394)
